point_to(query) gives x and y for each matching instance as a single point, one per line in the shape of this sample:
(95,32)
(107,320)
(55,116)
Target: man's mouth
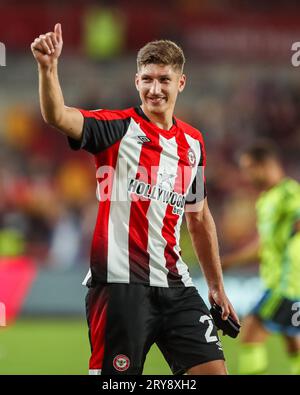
(156,100)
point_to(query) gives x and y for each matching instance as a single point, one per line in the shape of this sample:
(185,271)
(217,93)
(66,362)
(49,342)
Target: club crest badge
(191,157)
(121,362)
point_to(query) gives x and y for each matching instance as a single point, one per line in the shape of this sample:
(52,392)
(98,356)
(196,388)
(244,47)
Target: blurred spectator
(104,33)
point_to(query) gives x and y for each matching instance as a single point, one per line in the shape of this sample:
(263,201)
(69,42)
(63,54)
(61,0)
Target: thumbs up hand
(47,47)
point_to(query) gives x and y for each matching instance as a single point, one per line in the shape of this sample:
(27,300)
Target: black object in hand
(229,327)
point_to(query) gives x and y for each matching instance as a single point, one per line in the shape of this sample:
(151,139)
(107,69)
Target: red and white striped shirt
(145,178)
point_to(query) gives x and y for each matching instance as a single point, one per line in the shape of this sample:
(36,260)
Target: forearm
(204,239)
(51,97)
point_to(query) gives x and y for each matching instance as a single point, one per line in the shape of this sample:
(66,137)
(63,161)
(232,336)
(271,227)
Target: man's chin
(156,109)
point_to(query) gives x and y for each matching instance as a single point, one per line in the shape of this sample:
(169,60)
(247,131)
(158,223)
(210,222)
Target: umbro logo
(143,139)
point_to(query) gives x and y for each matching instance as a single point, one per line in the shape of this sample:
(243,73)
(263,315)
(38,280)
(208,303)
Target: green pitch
(47,346)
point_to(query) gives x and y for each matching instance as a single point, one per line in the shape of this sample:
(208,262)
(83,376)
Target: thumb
(211,299)
(58,31)
(225,312)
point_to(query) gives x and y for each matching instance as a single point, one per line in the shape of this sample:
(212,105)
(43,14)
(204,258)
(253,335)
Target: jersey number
(209,330)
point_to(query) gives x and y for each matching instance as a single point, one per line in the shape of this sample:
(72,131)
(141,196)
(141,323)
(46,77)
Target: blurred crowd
(47,194)
(48,203)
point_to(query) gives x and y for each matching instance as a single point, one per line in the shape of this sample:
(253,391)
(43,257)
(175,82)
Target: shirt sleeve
(197,191)
(101,129)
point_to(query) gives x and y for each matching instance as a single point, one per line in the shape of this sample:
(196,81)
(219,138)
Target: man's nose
(155,88)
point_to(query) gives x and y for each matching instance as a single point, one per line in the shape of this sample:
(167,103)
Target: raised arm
(203,234)
(46,49)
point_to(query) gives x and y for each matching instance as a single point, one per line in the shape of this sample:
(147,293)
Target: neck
(276,178)
(162,120)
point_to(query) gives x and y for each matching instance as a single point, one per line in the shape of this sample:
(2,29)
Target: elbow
(194,226)
(47,119)
(51,120)
(194,221)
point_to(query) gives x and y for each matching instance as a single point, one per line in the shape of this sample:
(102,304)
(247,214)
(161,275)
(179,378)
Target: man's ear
(182,82)
(137,81)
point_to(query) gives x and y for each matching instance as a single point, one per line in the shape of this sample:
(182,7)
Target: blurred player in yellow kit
(278,250)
